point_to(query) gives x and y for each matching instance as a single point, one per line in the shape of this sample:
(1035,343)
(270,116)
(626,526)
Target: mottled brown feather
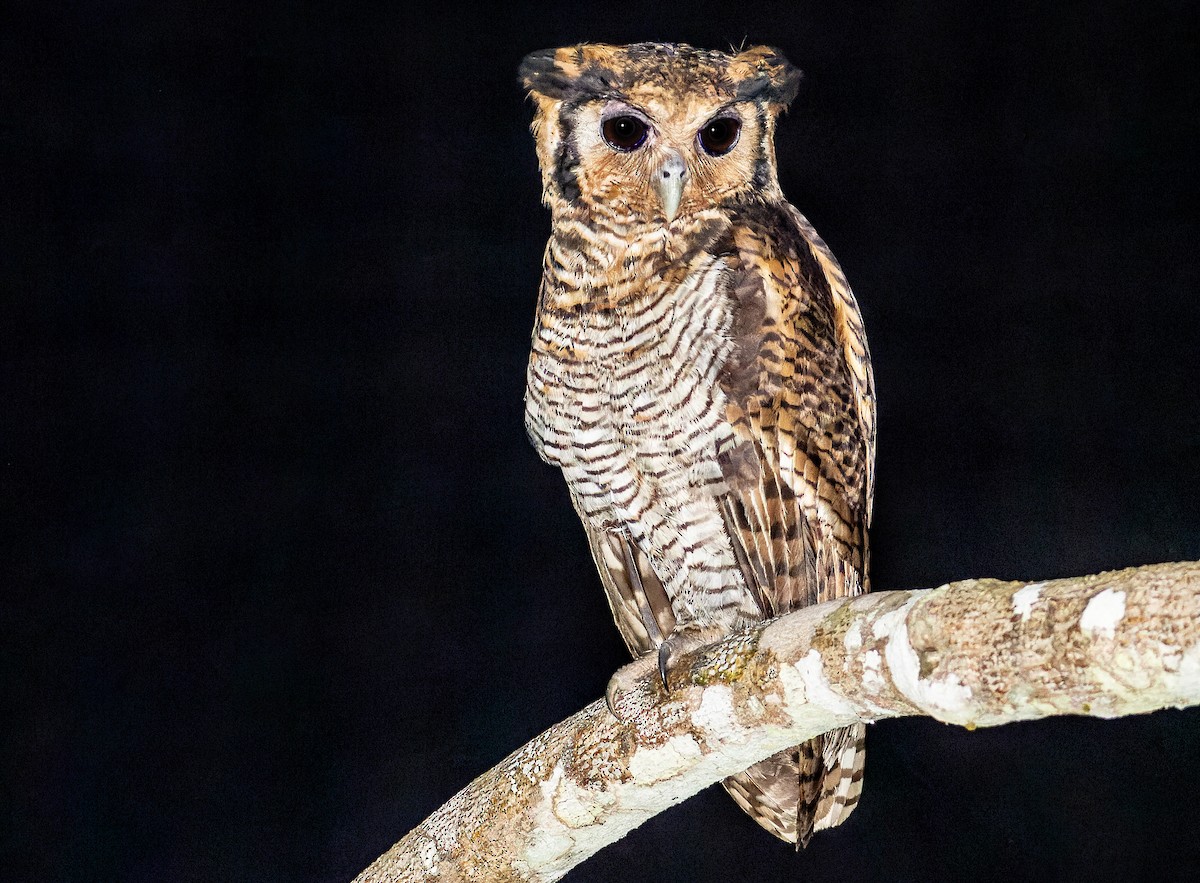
(640,606)
(800,518)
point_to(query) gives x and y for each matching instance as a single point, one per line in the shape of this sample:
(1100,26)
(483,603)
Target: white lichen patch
(1186,680)
(890,621)
(947,692)
(806,682)
(577,806)
(853,640)
(1024,599)
(429,857)
(944,696)
(872,678)
(546,846)
(649,765)
(555,816)
(715,714)
(1103,613)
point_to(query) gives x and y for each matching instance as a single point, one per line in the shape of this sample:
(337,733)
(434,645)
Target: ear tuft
(764,74)
(571,73)
(541,74)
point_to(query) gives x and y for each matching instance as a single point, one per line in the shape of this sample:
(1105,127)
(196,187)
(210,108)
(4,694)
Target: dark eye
(624,133)
(718,136)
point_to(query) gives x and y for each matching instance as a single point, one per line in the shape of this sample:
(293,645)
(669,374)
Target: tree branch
(974,653)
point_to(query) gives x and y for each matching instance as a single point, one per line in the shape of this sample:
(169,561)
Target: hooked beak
(669,183)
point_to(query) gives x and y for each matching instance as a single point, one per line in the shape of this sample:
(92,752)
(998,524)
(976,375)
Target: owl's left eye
(624,133)
(720,135)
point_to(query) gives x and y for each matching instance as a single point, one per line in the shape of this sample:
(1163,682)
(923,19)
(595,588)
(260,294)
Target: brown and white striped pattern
(623,395)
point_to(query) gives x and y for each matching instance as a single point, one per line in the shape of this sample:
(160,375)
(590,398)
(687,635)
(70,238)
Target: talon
(610,698)
(664,661)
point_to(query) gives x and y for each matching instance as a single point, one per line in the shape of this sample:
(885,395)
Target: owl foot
(630,680)
(629,690)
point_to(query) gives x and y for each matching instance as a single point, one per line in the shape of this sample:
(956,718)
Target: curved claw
(664,662)
(630,679)
(610,698)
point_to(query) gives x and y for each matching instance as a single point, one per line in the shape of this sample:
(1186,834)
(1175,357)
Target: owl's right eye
(624,133)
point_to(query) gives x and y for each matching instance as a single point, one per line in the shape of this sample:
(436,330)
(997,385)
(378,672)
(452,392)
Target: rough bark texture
(974,653)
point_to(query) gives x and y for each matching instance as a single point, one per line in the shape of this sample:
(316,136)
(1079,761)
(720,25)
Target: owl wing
(800,400)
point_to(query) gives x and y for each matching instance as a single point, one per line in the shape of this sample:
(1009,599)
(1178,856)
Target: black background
(283,573)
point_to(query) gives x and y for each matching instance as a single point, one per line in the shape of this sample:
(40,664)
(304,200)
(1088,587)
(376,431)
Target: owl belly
(627,402)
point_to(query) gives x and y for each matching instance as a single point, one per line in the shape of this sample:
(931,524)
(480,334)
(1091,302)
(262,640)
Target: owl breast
(625,398)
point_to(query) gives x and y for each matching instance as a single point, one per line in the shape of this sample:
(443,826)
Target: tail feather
(808,788)
(845,755)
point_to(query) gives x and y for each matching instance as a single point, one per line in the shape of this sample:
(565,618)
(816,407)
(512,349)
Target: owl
(699,370)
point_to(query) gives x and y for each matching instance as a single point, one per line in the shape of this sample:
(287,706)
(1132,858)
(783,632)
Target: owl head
(654,132)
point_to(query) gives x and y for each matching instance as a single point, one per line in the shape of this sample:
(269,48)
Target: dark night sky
(281,572)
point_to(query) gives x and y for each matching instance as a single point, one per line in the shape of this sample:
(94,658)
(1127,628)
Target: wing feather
(800,475)
(801,403)
(640,606)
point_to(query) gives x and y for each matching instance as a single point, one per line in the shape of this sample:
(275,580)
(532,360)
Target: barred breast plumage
(623,394)
(699,370)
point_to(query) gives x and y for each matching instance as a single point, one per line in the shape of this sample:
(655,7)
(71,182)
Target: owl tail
(804,789)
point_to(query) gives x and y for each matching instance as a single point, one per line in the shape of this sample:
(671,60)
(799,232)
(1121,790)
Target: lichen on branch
(972,653)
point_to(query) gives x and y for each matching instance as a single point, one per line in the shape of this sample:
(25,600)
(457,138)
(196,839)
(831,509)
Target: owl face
(654,132)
